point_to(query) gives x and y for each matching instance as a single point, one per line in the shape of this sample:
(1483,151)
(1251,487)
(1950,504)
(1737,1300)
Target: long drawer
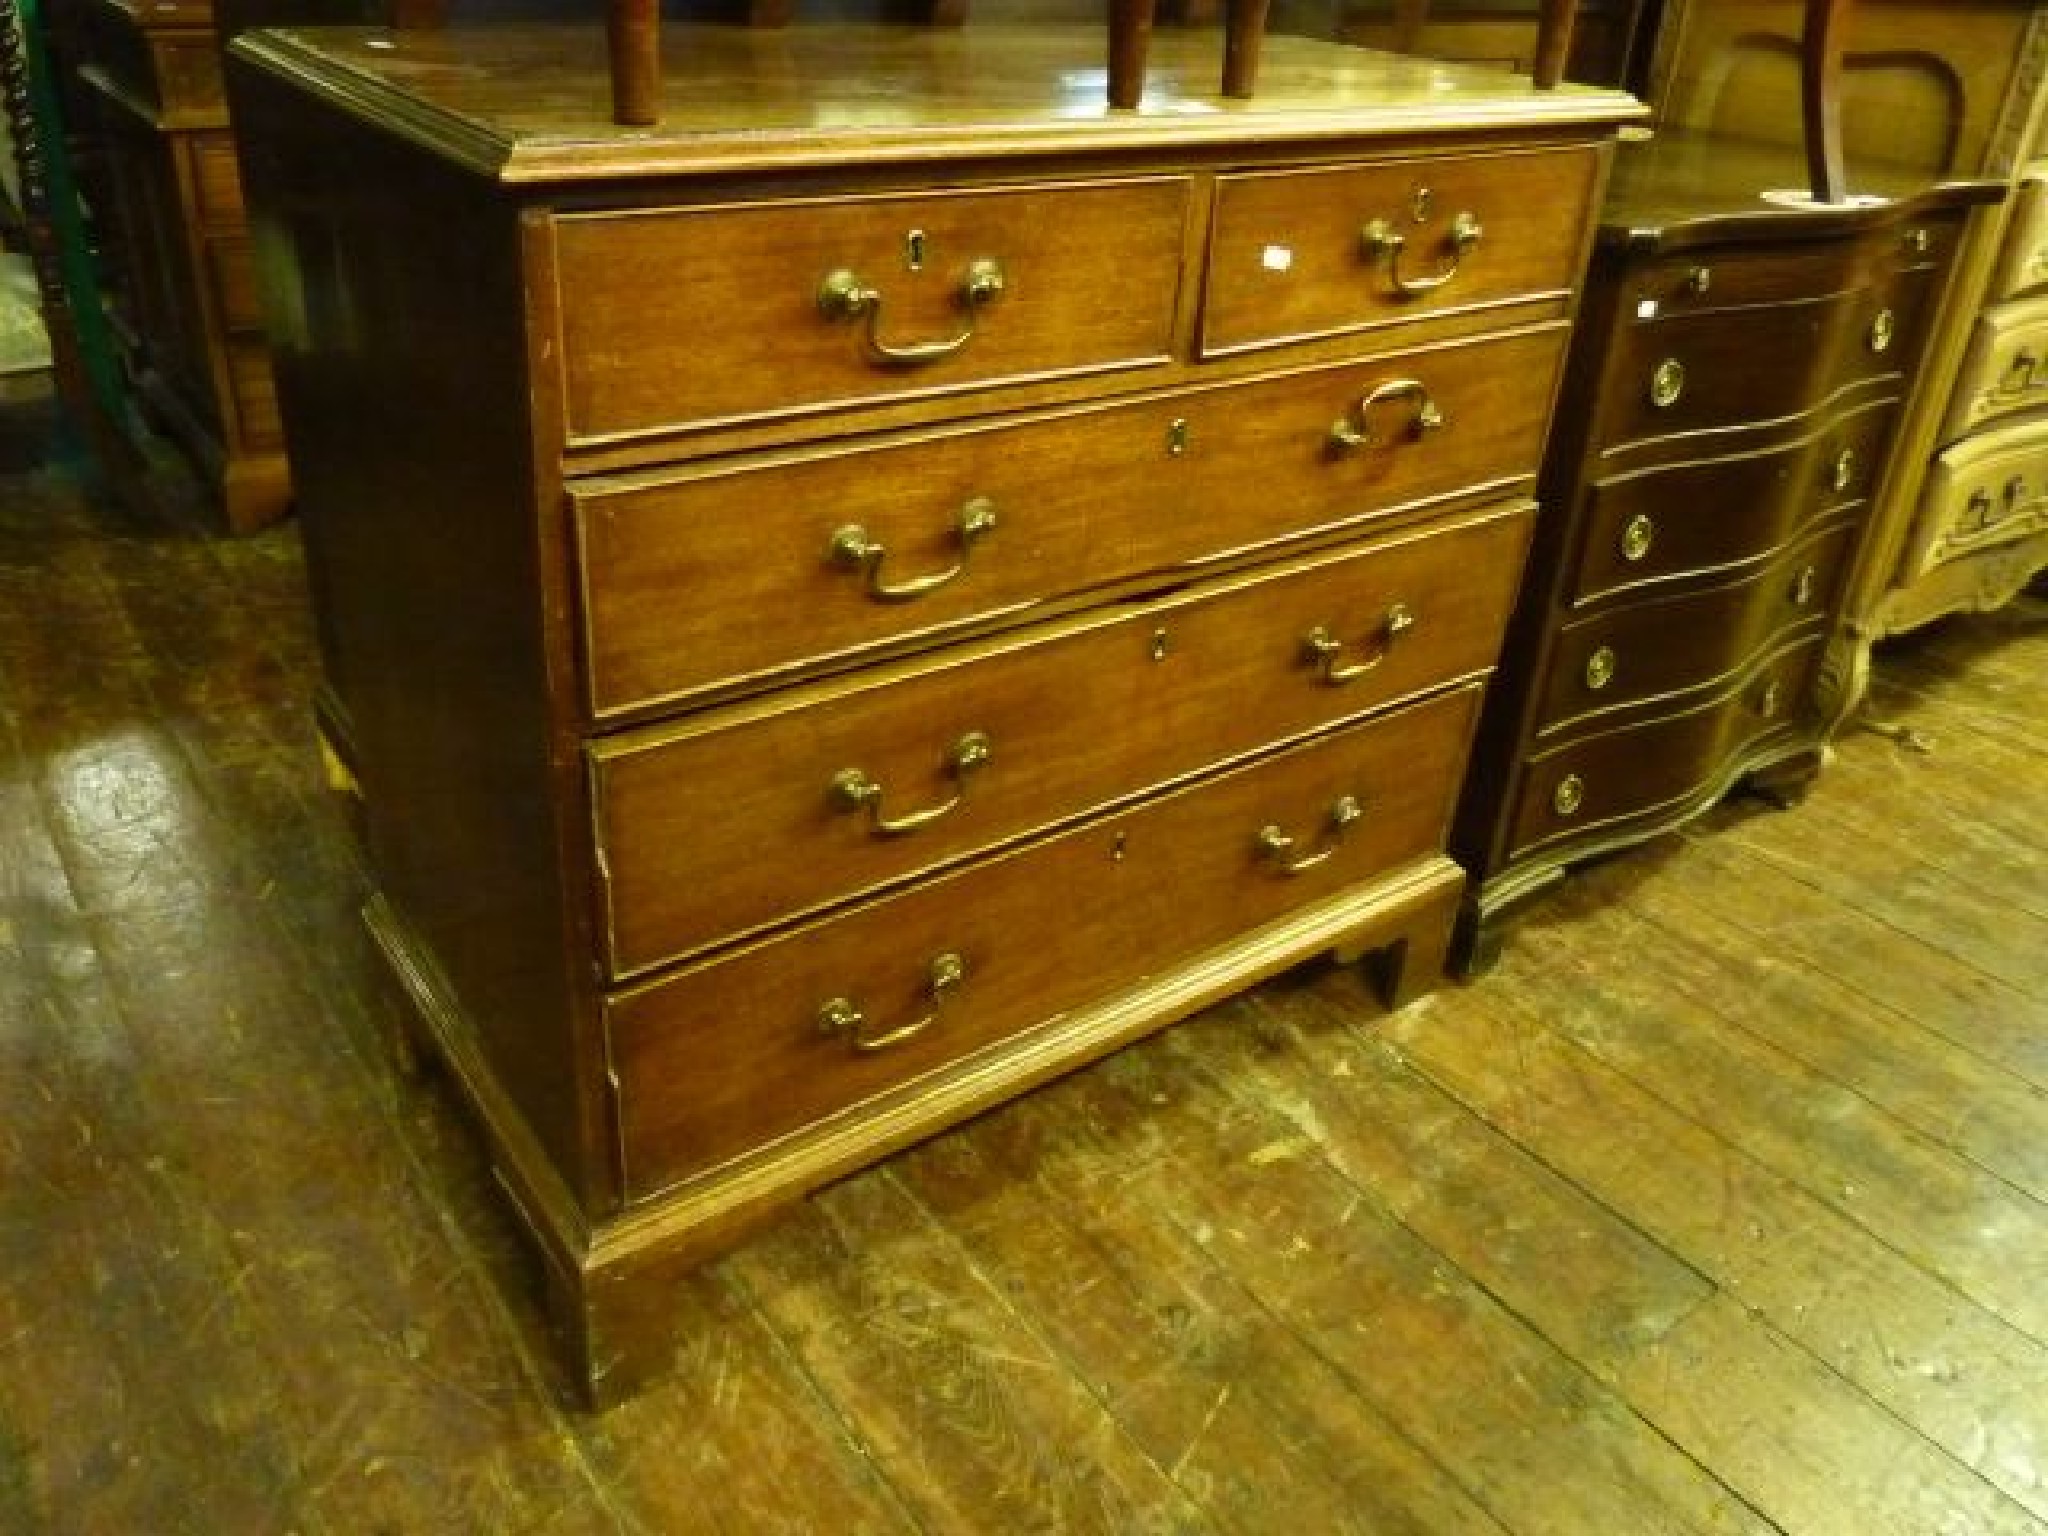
(760,1043)
(1657,526)
(722,578)
(1304,253)
(2006,369)
(1616,660)
(735,820)
(1989,489)
(1734,369)
(1650,769)
(690,316)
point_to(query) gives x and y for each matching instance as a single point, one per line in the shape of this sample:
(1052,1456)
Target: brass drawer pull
(852,549)
(1383,243)
(1354,429)
(1323,648)
(1637,534)
(1978,513)
(855,791)
(1842,473)
(1918,241)
(2019,373)
(1569,795)
(1278,847)
(1601,667)
(843,296)
(1883,331)
(1667,384)
(843,1016)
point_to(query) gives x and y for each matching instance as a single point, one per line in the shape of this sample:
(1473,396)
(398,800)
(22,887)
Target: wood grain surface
(1718,1206)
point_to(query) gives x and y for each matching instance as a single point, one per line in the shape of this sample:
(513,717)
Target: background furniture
(833,625)
(174,245)
(1731,404)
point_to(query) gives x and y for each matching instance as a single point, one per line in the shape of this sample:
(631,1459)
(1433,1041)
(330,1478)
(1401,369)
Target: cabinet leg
(1414,963)
(1785,784)
(1476,944)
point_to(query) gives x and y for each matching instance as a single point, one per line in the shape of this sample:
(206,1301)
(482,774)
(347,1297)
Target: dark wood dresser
(178,280)
(1729,412)
(898,581)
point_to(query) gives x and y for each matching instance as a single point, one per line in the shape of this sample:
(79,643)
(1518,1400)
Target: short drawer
(777,1037)
(1623,659)
(216,181)
(721,577)
(741,819)
(1680,521)
(1696,373)
(1307,253)
(696,316)
(1989,490)
(1581,788)
(2023,269)
(1713,279)
(2006,368)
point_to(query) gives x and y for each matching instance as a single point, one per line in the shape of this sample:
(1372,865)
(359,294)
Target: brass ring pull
(1278,847)
(843,296)
(1429,417)
(843,1016)
(852,549)
(856,791)
(1383,243)
(1323,648)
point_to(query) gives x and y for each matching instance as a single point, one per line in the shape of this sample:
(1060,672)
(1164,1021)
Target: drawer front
(762,814)
(2006,369)
(1989,490)
(689,317)
(1681,521)
(1711,280)
(217,181)
(1578,789)
(231,272)
(1620,659)
(676,573)
(1695,373)
(733,1054)
(2024,268)
(1298,254)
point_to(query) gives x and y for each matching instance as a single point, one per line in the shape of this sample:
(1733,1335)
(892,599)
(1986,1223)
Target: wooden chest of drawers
(1730,410)
(180,282)
(832,627)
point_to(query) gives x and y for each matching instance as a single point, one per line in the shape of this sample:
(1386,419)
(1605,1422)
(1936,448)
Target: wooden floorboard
(1720,1206)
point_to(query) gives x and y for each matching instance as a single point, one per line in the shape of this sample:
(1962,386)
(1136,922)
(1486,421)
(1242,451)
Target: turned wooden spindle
(1553,42)
(1820,51)
(633,38)
(1244,27)
(1130,36)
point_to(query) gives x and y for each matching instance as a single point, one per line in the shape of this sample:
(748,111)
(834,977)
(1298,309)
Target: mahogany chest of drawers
(1729,415)
(843,608)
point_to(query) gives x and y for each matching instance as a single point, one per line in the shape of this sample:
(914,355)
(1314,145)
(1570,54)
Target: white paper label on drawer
(1276,258)
(1647,310)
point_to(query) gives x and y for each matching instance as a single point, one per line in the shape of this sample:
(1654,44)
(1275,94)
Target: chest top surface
(531,104)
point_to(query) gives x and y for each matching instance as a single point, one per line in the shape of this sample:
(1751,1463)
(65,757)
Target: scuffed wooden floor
(1722,1206)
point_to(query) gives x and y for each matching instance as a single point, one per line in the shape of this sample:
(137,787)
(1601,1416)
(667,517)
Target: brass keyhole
(1802,589)
(1767,703)
(1162,644)
(1176,437)
(1883,330)
(1845,469)
(914,250)
(1419,204)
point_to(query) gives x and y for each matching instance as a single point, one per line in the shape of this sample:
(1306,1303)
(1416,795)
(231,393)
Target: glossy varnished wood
(1672,1222)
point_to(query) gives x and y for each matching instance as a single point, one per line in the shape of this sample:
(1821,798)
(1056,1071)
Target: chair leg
(1244,27)
(1130,36)
(1553,42)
